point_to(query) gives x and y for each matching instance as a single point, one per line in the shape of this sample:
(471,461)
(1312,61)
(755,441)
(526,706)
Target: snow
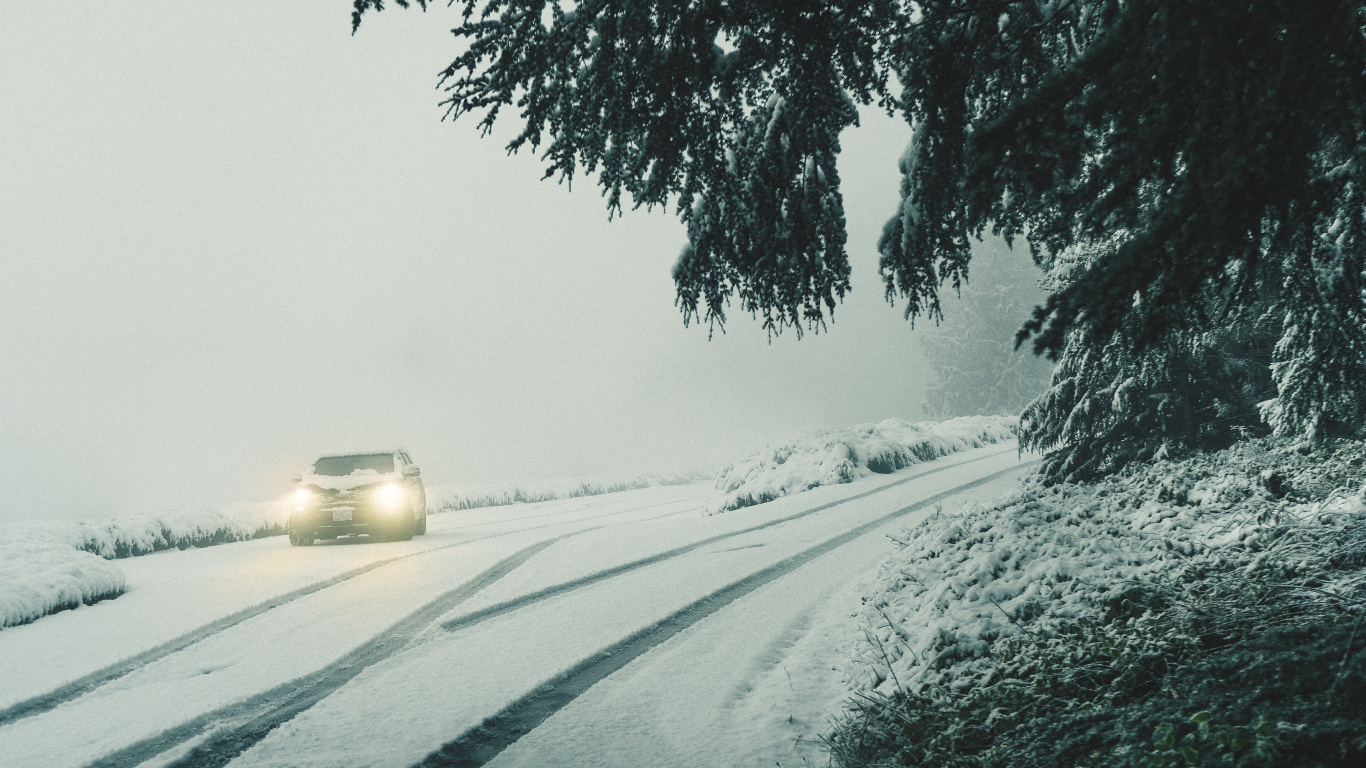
(175,592)
(969,576)
(48,567)
(443,682)
(356,479)
(38,578)
(453,681)
(752,686)
(830,457)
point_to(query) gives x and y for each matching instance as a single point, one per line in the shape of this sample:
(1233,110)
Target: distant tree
(976,367)
(1210,156)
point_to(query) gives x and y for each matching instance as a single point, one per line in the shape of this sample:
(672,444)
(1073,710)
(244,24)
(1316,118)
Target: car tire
(300,538)
(422,525)
(406,532)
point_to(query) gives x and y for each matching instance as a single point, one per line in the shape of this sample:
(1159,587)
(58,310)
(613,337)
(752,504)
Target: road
(628,629)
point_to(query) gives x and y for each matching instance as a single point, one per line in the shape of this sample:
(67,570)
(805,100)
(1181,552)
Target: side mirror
(411,471)
(298,477)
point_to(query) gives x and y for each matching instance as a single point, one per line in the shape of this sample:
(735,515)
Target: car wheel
(422,524)
(300,538)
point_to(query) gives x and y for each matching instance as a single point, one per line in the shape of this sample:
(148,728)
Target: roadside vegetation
(833,456)
(1207,611)
(451,498)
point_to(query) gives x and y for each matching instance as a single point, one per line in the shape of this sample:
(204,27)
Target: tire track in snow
(238,730)
(479,745)
(585,504)
(244,723)
(498,609)
(79,687)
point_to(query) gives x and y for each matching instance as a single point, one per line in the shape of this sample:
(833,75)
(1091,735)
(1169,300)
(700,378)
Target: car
(377,494)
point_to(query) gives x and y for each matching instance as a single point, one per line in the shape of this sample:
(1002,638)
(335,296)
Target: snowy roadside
(979,608)
(38,578)
(50,567)
(834,456)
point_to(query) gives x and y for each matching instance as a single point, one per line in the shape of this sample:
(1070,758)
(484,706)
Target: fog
(236,236)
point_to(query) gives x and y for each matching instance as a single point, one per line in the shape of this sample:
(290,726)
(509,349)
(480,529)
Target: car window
(341,466)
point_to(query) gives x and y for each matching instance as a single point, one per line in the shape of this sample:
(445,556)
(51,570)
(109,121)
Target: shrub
(1219,622)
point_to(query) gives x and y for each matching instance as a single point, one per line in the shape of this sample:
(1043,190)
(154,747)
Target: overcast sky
(234,236)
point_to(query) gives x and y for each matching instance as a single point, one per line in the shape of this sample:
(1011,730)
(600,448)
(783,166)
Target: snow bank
(42,577)
(844,455)
(445,498)
(964,582)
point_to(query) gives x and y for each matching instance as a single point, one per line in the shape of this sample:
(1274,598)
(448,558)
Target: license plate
(341,515)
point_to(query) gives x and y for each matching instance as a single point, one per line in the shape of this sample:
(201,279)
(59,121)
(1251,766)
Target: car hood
(348,482)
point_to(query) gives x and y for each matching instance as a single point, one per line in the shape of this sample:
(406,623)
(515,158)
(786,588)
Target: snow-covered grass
(446,498)
(38,578)
(1071,623)
(144,534)
(834,456)
(50,567)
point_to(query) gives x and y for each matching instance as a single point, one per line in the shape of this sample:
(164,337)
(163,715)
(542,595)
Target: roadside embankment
(1170,615)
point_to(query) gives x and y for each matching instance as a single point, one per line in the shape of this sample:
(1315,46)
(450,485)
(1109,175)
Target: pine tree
(1211,157)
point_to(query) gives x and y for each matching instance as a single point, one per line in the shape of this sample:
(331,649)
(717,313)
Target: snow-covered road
(625,629)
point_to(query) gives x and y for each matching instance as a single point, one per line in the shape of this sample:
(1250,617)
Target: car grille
(344,501)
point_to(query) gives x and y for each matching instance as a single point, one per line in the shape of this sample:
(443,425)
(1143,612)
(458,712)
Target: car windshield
(340,466)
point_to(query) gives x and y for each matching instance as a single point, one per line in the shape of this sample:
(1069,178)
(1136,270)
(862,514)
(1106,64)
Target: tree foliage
(732,110)
(1209,156)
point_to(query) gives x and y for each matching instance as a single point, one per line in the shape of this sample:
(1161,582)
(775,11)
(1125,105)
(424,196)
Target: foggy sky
(233,236)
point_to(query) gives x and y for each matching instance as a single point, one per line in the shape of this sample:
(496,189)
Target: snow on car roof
(349,454)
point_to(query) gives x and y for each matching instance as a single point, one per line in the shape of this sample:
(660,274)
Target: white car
(378,494)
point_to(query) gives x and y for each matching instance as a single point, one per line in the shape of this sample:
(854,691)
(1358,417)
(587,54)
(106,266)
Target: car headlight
(389,495)
(302,498)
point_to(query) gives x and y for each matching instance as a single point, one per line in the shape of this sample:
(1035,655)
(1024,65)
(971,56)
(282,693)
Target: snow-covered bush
(446,498)
(42,577)
(144,534)
(1081,624)
(836,456)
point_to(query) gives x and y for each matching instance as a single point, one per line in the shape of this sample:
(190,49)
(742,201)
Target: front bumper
(342,519)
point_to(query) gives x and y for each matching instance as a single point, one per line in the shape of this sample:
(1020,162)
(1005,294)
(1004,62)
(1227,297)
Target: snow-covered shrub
(446,498)
(1079,624)
(144,534)
(42,577)
(836,456)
